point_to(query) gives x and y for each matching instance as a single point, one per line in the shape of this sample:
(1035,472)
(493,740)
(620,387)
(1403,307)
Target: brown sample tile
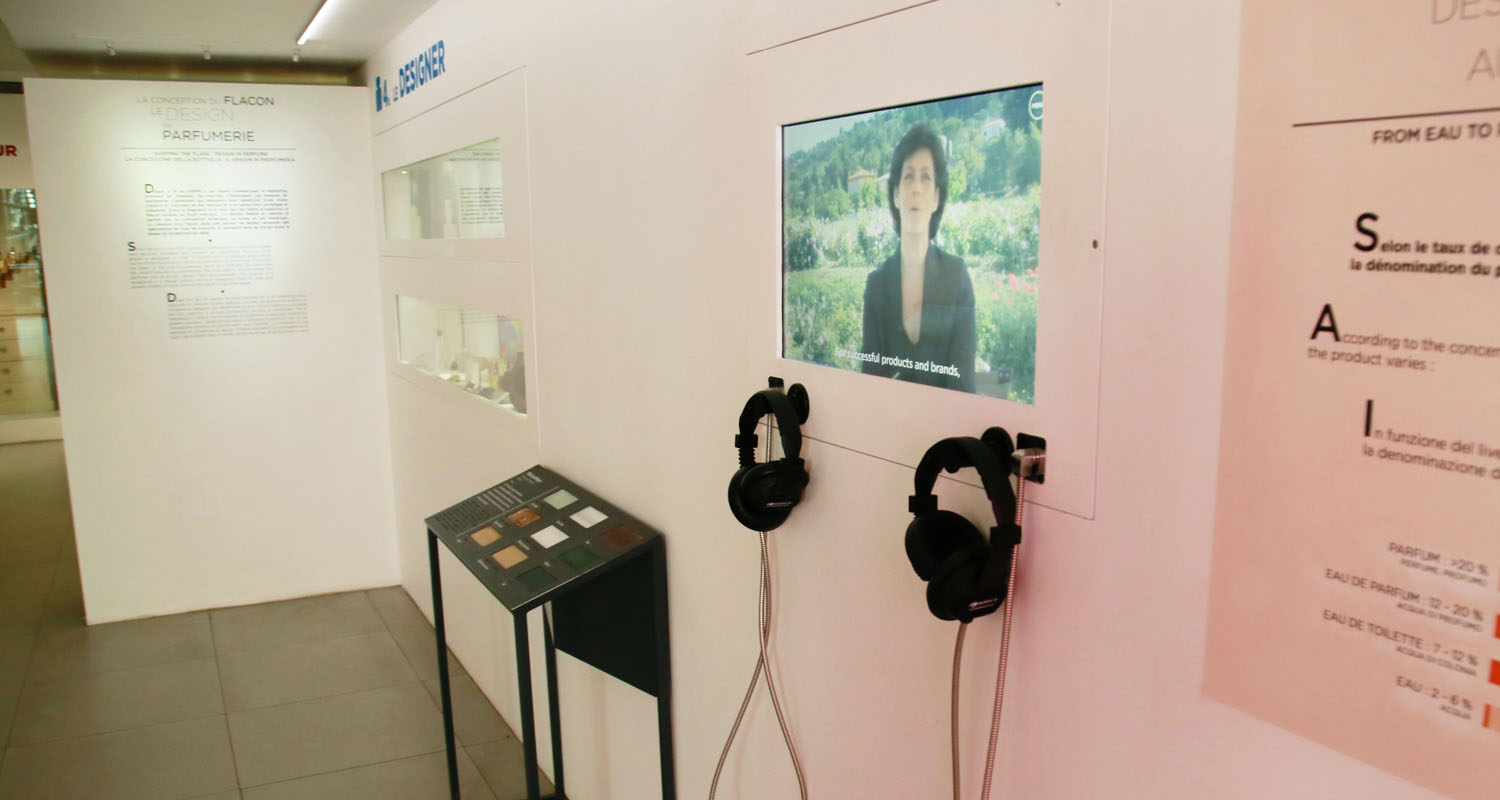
(486,536)
(621,536)
(509,557)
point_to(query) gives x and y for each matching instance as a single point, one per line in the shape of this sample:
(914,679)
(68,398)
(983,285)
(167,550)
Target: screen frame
(1064,48)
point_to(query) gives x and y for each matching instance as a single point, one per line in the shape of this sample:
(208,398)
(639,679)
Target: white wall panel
(214,469)
(655,289)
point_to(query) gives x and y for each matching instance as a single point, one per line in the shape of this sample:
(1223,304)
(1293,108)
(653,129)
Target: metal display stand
(540,539)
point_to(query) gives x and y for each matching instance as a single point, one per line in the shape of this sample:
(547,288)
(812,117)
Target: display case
(481,352)
(26,382)
(457,195)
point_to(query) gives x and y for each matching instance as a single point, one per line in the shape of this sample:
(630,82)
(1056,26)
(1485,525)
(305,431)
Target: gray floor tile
(15,653)
(26,617)
(302,672)
(62,610)
(66,578)
(420,649)
(10,693)
(333,733)
(121,645)
(290,622)
(118,700)
(42,513)
(32,549)
(501,765)
(21,617)
(396,608)
(26,580)
(161,762)
(475,720)
(423,777)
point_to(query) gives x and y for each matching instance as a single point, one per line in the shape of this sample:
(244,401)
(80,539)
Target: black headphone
(762,495)
(966,578)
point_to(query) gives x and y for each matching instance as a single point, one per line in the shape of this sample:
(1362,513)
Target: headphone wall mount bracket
(797,394)
(1035,448)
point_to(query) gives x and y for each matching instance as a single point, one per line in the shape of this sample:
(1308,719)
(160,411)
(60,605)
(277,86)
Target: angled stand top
(538,536)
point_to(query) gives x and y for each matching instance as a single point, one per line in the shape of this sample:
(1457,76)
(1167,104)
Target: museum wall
(650,280)
(217,340)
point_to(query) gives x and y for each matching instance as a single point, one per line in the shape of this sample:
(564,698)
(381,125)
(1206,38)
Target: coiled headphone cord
(762,664)
(958,648)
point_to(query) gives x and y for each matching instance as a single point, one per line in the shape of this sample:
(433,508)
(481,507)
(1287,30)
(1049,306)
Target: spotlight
(296,54)
(109,48)
(207,56)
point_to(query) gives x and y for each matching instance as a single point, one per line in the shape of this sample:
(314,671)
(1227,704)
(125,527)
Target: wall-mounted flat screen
(910,238)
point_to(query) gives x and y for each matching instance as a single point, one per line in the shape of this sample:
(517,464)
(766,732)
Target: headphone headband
(762,495)
(953,454)
(763,402)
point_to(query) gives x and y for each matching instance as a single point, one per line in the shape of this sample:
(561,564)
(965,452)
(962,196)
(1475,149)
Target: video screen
(910,238)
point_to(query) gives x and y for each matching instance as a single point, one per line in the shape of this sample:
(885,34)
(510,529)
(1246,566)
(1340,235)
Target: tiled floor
(322,697)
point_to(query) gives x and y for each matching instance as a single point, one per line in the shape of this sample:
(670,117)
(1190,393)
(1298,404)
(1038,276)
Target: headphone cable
(989,760)
(958,655)
(1010,594)
(762,664)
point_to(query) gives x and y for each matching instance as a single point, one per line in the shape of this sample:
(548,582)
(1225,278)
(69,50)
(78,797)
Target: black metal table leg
(528,718)
(442,656)
(663,674)
(549,652)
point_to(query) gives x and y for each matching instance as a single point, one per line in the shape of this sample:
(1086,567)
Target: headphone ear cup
(749,491)
(934,536)
(955,583)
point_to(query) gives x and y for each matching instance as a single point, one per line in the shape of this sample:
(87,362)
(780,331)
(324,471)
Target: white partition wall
(654,270)
(211,277)
(448,443)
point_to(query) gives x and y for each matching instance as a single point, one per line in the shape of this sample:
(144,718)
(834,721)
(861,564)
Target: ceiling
(67,36)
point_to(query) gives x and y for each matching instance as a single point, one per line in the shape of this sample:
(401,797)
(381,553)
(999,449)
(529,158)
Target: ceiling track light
(296,54)
(109,48)
(312,23)
(207,54)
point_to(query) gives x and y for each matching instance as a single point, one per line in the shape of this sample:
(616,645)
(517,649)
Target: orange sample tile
(523,517)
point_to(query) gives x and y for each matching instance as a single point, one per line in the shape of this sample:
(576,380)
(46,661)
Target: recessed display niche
(481,352)
(456,195)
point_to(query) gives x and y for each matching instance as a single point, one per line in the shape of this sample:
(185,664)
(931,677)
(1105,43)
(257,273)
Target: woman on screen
(919,304)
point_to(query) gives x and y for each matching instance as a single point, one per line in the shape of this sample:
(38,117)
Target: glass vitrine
(457,195)
(481,352)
